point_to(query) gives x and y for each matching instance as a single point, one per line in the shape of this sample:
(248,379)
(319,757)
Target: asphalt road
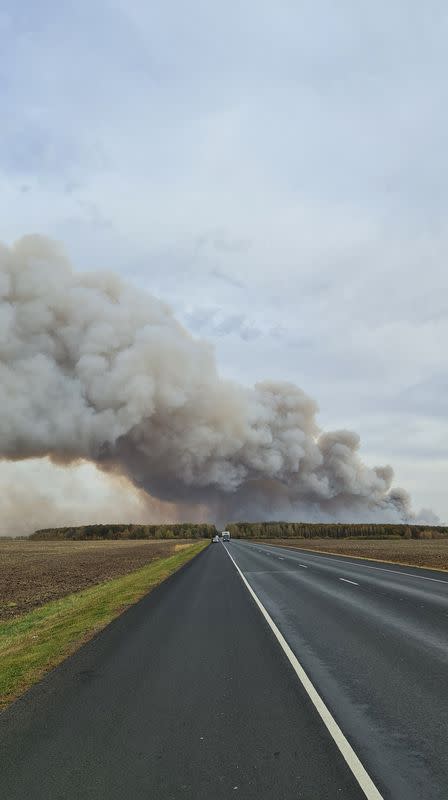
(186,695)
(373,638)
(189,695)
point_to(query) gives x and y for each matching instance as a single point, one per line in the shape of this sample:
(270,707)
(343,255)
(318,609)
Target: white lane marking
(367,566)
(281,558)
(345,748)
(303,566)
(270,572)
(347,581)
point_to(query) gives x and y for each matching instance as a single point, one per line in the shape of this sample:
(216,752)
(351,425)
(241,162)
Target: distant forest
(183,531)
(246,530)
(305,530)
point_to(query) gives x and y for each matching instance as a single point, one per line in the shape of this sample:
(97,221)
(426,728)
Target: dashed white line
(303,566)
(345,748)
(360,565)
(347,581)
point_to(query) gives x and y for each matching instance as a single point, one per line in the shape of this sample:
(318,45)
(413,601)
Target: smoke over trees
(93,369)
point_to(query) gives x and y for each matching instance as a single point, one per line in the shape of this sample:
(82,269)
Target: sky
(277,172)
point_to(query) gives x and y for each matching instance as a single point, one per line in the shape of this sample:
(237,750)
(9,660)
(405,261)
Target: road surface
(373,638)
(189,695)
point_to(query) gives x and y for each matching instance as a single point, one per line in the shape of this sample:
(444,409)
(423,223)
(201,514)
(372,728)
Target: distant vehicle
(226,536)
(215,539)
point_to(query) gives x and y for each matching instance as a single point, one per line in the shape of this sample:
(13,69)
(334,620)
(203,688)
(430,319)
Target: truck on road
(225,536)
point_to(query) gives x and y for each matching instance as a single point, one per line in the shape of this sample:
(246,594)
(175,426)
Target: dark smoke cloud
(93,369)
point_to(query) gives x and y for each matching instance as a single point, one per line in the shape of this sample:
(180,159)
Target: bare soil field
(414,552)
(34,572)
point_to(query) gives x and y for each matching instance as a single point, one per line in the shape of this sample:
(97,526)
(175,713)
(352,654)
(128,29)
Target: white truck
(225,536)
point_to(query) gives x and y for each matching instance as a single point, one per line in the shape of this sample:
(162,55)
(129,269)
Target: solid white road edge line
(345,748)
(346,580)
(322,557)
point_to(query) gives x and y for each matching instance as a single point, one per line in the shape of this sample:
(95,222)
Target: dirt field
(415,552)
(32,573)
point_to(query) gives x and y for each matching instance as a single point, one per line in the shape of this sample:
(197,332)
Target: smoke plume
(93,369)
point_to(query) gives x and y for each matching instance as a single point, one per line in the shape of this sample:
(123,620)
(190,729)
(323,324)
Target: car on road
(215,539)
(226,536)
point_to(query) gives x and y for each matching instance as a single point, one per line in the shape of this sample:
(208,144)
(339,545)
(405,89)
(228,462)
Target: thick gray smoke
(92,369)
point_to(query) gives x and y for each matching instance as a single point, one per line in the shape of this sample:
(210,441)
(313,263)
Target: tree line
(185,530)
(316,530)
(246,530)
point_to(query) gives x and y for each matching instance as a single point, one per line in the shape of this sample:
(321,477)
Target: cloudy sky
(276,171)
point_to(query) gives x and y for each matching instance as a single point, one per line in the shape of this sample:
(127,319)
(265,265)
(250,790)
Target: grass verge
(36,642)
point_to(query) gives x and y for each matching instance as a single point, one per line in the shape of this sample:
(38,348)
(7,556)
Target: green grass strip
(36,642)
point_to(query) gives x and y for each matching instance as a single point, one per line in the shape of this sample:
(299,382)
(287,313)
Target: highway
(373,638)
(190,695)
(186,695)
